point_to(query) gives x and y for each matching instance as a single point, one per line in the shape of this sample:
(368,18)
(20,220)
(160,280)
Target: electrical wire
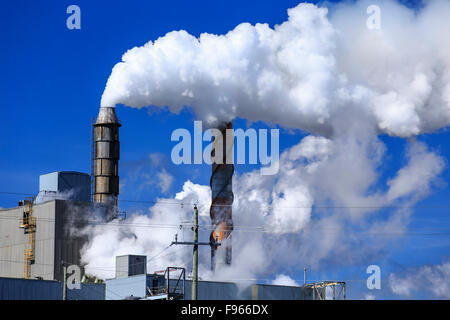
(244,229)
(305,206)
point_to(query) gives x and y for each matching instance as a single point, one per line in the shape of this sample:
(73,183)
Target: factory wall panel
(13,242)
(70,218)
(87,291)
(122,267)
(118,289)
(23,289)
(44,243)
(122,288)
(208,290)
(137,265)
(273,292)
(57,238)
(67,185)
(130,265)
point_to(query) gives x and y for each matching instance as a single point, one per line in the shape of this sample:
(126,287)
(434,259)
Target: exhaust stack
(106,157)
(222,199)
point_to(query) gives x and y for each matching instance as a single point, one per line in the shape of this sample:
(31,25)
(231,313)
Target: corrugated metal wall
(13,242)
(208,290)
(22,289)
(55,240)
(273,292)
(130,265)
(117,289)
(67,185)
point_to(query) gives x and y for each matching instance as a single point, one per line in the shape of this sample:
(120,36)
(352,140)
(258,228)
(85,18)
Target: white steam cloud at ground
(320,71)
(265,236)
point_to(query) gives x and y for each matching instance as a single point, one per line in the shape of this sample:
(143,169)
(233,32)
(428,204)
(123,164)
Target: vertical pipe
(184,284)
(106,157)
(168,283)
(344,292)
(64,281)
(195,258)
(222,197)
(304,283)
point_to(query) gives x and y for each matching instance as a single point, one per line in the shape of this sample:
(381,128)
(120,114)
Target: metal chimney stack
(106,157)
(222,201)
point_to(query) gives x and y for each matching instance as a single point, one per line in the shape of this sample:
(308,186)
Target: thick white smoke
(323,72)
(304,72)
(315,171)
(145,234)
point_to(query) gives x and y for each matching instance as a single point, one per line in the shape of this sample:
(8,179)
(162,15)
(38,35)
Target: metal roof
(107,115)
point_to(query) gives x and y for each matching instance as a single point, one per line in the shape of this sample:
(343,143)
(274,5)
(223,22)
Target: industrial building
(42,235)
(43,232)
(28,289)
(64,185)
(133,282)
(35,238)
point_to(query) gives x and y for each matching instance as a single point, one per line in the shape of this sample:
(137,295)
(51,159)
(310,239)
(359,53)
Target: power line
(307,205)
(236,228)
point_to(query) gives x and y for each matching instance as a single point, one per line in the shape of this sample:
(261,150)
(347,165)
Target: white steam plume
(274,217)
(304,72)
(322,72)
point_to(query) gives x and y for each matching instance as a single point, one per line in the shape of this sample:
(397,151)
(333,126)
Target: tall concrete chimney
(222,199)
(106,157)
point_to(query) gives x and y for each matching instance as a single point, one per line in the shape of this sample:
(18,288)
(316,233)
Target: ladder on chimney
(28,224)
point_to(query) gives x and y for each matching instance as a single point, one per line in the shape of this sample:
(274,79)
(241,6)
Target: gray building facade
(56,239)
(64,185)
(130,265)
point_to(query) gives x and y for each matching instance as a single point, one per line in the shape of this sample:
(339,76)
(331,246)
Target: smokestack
(106,157)
(222,199)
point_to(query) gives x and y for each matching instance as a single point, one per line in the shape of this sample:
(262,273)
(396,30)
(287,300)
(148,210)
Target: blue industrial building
(171,284)
(64,185)
(143,287)
(29,289)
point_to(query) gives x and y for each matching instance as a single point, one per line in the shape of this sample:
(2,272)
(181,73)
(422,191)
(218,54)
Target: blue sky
(51,84)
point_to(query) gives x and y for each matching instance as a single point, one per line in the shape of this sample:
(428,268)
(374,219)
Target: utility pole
(64,280)
(195,258)
(195,243)
(304,283)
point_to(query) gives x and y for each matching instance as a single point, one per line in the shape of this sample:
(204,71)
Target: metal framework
(166,291)
(320,290)
(177,292)
(28,224)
